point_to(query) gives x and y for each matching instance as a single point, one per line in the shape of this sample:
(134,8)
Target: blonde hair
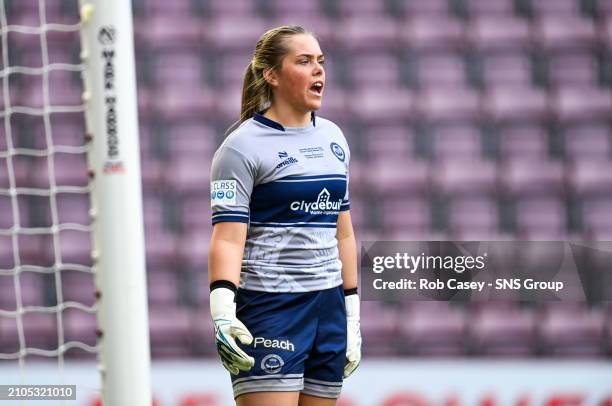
(269,52)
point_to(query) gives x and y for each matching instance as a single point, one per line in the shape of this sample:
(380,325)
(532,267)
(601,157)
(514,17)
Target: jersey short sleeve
(346,204)
(231,185)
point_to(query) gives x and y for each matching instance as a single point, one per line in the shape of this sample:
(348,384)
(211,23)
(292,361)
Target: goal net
(72,280)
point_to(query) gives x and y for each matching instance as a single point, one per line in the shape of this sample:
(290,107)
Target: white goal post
(116,200)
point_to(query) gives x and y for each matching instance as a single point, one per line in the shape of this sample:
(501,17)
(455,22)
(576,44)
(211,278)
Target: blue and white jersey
(288,184)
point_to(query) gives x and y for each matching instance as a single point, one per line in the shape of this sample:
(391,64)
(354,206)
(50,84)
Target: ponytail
(268,54)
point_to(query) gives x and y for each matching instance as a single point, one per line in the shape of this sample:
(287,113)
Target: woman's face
(301,78)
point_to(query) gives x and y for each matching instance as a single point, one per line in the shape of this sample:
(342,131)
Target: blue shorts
(299,342)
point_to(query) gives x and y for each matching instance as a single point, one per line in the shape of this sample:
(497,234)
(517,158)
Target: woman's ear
(270,76)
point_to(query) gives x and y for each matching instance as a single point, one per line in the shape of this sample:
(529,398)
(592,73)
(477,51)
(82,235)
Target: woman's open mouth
(317,88)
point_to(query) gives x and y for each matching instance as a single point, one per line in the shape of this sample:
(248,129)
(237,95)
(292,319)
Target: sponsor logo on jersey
(288,161)
(272,364)
(223,192)
(338,151)
(283,154)
(323,204)
(273,343)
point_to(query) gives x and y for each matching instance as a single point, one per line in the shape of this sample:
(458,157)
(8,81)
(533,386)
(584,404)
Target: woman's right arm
(225,252)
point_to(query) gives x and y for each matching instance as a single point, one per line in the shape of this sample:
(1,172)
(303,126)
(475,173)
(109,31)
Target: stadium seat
(571,330)
(78,286)
(573,68)
(433,329)
(523,140)
(465,178)
(456,142)
(431,33)
(80,326)
(511,104)
(588,141)
(171,331)
(385,179)
(580,104)
(565,32)
(405,214)
(508,68)
(499,32)
(503,329)
(490,7)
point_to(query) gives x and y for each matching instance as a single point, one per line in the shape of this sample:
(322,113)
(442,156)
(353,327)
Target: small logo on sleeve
(222,192)
(283,154)
(338,151)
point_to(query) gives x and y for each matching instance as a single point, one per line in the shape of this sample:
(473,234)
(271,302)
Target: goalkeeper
(282,260)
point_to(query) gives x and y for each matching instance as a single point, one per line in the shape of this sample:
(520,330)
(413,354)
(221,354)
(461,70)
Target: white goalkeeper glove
(353,342)
(227,329)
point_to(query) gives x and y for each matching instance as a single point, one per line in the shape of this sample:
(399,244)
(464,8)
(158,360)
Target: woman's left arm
(347,249)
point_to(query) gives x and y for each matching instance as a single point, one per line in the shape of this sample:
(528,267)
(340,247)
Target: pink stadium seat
(523,141)
(162,288)
(479,214)
(80,326)
(232,8)
(405,214)
(573,103)
(40,330)
(449,105)
(381,105)
(576,68)
(385,179)
(433,328)
(516,104)
(361,7)
(389,142)
(565,32)
(546,214)
(432,32)
(591,178)
(160,247)
(75,247)
(235,32)
(440,70)
(357,34)
(171,331)
(380,324)
(193,248)
(78,287)
(73,208)
(596,214)
(556,7)
(386,67)
(523,176)
(507,68)
(428,7)
(196,212)
(503,329)
(490,7)
(465,178)
(182,69)
(456,142)
(571,330)
(589,141)
(499,32)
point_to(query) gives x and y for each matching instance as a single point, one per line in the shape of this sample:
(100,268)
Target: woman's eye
(321,62)
(304,62)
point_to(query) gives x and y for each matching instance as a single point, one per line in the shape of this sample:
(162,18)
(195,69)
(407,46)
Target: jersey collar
(274,124)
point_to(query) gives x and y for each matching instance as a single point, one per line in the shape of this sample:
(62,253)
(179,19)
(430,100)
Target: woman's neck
(288,116)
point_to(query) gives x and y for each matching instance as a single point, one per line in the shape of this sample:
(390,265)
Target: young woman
(282,232)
